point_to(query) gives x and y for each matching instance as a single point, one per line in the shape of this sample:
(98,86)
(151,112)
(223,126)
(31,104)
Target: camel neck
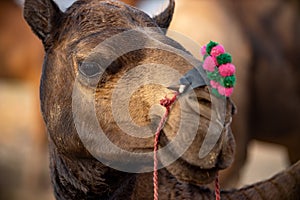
(77,178)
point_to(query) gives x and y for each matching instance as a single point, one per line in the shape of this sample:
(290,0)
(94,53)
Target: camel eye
(91,73)
(90,69)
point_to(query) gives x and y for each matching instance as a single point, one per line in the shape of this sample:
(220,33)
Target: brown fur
(68,38)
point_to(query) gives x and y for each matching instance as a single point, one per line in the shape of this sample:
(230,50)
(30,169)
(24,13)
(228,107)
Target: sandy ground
(265,160)
(23,163)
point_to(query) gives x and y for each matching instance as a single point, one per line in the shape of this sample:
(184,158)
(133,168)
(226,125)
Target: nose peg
(178,88)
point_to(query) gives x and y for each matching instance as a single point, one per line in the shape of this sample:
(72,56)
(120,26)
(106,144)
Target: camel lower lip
(187,172)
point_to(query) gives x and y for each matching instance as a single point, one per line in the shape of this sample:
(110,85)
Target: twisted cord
(167,103)
(217,188)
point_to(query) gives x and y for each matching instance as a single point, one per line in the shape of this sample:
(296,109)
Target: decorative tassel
(219,69)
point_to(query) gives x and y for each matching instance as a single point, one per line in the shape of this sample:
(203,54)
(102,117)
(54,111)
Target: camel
(86,73)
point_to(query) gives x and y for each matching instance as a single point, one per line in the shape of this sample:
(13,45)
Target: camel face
(107,66)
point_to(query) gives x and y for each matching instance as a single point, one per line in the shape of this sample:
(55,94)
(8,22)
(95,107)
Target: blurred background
(263,37)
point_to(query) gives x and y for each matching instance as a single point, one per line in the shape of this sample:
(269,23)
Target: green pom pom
(214,75)
(215,92)
(210,45)
(224,58)
(228,81)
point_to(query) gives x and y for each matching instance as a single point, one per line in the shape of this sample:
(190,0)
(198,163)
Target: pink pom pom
(225,91)
(209,64)
(203,50)
(214,84)
(221,90)
(215,60)
(228,92)
(227,69)
(217,50)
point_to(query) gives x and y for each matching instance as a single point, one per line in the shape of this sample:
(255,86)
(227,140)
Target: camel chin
(185,172)
(193,173)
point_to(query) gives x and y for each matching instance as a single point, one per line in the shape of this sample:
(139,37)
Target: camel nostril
(204,102)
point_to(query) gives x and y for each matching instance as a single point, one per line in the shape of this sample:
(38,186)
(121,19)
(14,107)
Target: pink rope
(217,188)
(167,103)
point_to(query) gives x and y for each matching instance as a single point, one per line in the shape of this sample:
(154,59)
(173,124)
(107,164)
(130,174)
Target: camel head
(106,68)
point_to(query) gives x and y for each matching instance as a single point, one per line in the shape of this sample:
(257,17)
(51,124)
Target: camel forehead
(85,5)
(95,8)
(89,17)
(95,14)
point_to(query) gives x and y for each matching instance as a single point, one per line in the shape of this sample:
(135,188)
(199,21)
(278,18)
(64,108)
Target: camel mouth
(186,172)
(214,159)
(196,173)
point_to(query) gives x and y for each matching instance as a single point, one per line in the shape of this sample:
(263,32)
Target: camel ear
(163,20)
(42,16)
